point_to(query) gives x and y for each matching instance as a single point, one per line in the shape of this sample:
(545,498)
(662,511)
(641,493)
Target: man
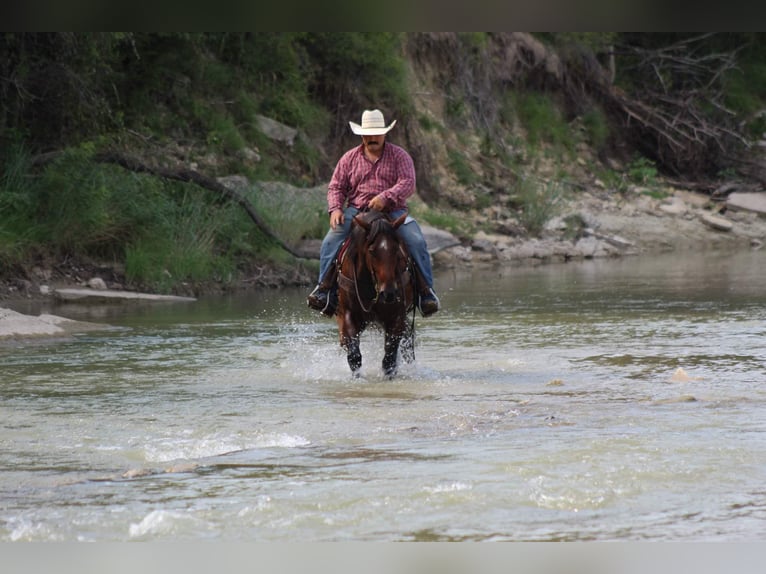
(376,175)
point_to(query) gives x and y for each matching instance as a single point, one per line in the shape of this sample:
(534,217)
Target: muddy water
(545,404)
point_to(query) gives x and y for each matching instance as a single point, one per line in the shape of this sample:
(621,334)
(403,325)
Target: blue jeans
(410,233)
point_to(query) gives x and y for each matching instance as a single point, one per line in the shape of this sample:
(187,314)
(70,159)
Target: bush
(539,202)
(542,120)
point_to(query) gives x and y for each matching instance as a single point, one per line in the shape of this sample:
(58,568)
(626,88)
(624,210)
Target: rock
(97,283)
(747,201)
(13,324)
(276,131)
(93,296)
(717,222)
(249,154)
(675,207)
(483,245)
(438,239)
(691,198)
(681,376)
(238,182)
(615,240)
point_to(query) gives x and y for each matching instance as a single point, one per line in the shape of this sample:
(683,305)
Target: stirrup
(323,300)
(432,299)
(332,302)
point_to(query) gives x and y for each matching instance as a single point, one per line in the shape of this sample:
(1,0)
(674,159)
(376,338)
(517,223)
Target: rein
(346,282)
(359,297)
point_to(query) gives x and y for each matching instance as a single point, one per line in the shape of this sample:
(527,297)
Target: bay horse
(376,286)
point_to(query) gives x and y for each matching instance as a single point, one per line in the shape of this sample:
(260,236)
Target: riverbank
(597,224)
(602,225)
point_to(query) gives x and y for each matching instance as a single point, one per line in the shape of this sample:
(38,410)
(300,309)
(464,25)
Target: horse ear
(361,222)
(399,220)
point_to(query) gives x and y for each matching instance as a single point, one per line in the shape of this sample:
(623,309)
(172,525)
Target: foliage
(543,121)
(642,171)
(358,70)
(461,168)
(17,227)
(596,128)
(539,202)
(183,246)
(745,87)
(66,90)
(201,93)
(292,213)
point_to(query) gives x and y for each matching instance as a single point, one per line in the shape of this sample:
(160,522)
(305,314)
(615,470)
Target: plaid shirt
(357,180)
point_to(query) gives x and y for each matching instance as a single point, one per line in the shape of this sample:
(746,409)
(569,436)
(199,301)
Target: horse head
(383,255)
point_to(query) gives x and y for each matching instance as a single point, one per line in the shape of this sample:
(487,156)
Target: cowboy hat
(373,124)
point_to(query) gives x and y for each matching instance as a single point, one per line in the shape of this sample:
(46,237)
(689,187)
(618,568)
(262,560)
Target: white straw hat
(373,124)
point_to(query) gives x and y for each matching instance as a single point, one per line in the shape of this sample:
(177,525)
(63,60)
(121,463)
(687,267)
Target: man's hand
(336,218)
(378,203)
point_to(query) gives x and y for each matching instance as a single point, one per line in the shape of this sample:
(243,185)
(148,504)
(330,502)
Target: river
(545,404)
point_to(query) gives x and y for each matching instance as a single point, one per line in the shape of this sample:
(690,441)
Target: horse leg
(390,356)
(354,355)
(350,334)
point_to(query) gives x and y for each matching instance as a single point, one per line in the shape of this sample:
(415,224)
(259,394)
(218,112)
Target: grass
(543,121)
(539,202)
(463,171)
(166,233)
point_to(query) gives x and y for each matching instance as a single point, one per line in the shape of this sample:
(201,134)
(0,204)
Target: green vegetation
(543,122)
(180,100)
(198,93)
(596,128)
(539,202)
(461,168)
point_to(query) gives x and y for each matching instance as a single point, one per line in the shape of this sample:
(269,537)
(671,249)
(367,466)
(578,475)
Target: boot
(324,297)
(428,302)
(324,300)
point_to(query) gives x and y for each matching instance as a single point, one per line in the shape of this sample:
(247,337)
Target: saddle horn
(361,222)
(397,223)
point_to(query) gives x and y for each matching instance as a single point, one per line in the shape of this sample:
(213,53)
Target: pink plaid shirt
(357,180)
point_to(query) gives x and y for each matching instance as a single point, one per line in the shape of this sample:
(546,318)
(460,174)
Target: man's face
(373,143)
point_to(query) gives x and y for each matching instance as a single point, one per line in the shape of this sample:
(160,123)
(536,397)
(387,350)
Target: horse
(376,286)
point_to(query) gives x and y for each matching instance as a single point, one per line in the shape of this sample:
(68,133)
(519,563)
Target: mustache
(372,142)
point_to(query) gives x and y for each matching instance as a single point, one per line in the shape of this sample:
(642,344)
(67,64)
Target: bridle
(399,278)
(351,284)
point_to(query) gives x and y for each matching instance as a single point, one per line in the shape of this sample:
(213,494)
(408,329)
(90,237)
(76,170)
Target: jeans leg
(333,240)
(416,245)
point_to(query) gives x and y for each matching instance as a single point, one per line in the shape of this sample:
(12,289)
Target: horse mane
(377,226)
(377,222)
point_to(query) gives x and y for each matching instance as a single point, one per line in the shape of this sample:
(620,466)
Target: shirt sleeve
(404,169)
(340,185)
